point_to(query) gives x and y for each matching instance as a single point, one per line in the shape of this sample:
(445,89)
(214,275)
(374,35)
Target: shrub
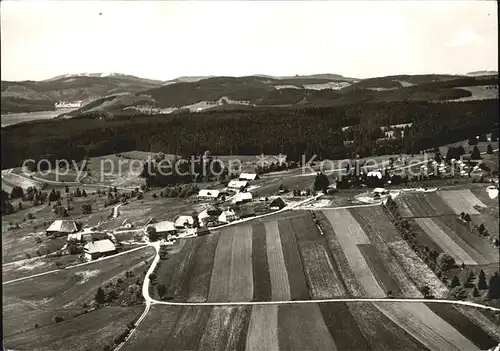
(36,325)
(444,261)
(58,319)
(152,276)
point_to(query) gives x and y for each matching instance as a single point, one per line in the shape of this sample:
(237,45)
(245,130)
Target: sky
(167,39)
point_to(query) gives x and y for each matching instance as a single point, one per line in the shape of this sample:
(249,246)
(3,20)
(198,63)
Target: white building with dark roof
(248,176)
(62,227)
(96,249)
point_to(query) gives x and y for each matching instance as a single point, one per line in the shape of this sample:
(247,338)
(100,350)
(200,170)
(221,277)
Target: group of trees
(309,130)
(492,287)
(180,191)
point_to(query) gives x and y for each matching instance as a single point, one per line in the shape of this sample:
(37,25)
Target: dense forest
(293,131)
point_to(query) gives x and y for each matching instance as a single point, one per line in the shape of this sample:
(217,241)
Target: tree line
(309,130)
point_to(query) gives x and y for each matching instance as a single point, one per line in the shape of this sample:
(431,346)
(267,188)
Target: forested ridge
(293,131)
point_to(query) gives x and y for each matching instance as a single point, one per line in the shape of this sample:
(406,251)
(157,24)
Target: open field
(86,332)
(112,170)
(387,269)
(280,287)
(425,326)
(63,293)
(444,241)
(315,326)
(423,205)
(461,201)
(350,235)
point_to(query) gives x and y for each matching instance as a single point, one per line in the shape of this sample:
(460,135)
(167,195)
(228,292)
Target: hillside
(112,93)
(223,93)
(28,96)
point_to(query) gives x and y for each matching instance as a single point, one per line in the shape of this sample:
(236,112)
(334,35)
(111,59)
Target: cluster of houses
(96,243)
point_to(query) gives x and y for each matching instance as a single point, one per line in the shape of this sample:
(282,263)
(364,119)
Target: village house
(62,227)
(277,204)
(248,176)
(184,221)
(209,215)
(96,249)
(163,228)
(227,216)
(237,184)
(242,198)
(88,234)
(208,194)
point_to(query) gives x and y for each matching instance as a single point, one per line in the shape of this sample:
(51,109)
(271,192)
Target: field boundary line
(367,299)
(334,208)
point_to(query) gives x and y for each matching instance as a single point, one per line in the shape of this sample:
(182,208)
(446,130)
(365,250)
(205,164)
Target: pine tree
(455,282)
(481,285)
(494,287)
(475,292)
(100,296)
(475,155)
(489,149)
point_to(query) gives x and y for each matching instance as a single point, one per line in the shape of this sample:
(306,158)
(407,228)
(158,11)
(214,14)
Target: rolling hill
(114,93)
(29,96)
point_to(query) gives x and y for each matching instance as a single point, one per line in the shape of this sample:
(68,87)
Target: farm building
(248,176)
(184,221)
(62,227)
(227,216)
(88,235)
(211,214)
(277,204)
(209,194)
(202,231)
(237,184)
(96,249)
(163,228)
(241,198)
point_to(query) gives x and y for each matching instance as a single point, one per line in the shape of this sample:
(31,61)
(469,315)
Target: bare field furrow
(461,201)
(293,263)
(241,276)
(353,286)
(444,241)
(199,282)
(280,287)
(379,236)
(423,324)
(263,329)
(379,331)
(416,269)
(322,278)
(219,282)
(301,327)
(344,226)
(260,266)
(224,328)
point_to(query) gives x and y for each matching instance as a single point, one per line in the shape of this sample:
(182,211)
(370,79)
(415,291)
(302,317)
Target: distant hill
(481,73)
(115,92)
(68,88)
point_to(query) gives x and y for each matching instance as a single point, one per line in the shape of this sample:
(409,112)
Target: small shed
(209,194)
(237,184)
(277,204)
(96,249)
(202,231)
(248,176)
